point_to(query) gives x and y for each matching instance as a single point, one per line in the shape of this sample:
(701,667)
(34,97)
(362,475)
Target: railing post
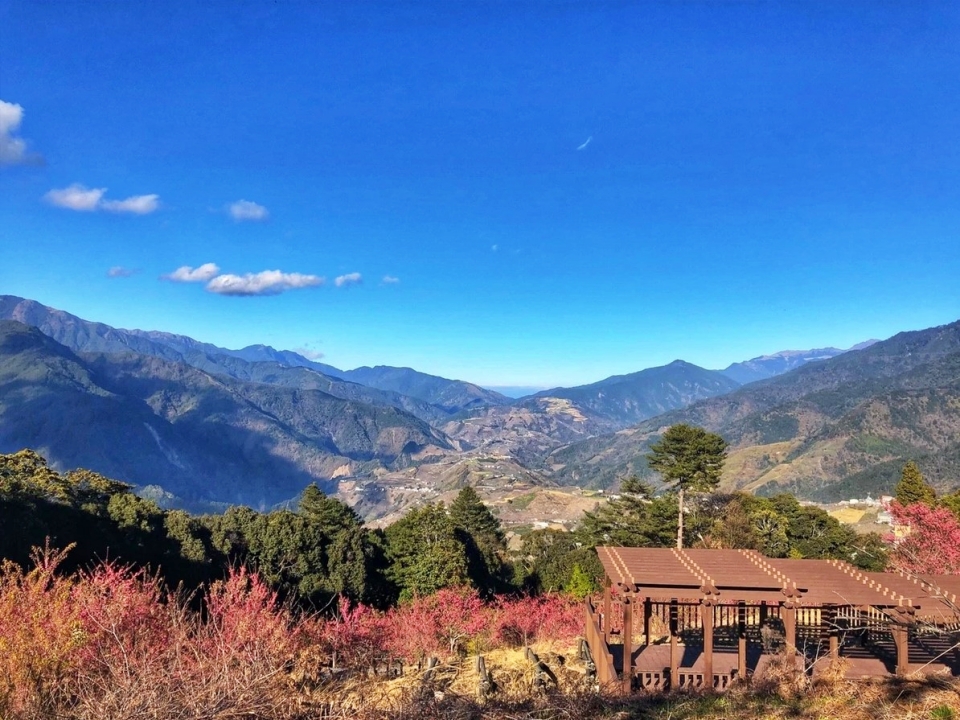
(627,643)
(606,610)
(674,651)
(707,620)
(742,640)
(900,640)
(647,612)
(790,628)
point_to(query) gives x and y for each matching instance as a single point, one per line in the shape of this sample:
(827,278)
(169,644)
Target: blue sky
(531,193)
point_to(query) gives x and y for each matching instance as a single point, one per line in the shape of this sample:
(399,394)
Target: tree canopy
(913,488)
(688,458)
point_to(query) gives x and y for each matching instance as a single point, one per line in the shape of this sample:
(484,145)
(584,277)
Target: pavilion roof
(663,574)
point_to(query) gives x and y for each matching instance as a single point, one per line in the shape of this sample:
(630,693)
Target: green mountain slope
(199,435)
(828,429)
(628,399)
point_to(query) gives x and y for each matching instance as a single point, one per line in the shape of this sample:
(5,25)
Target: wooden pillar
(789,615)
(674,650)
(647,612)
(606,610)
(627,644)
(707,619)
(900,640)
(742,641)
(828,616)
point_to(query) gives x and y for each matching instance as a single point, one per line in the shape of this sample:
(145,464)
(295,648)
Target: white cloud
(76,197)
(268,282)
(247,210)
(80,197)
(349,279)
(13,150)
(205,272)
(118,271)
(138,204)
(494,248)
(390,280)
(309,354)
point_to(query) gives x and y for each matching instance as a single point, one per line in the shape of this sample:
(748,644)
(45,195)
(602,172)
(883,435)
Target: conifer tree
(912,487)
(481,534)
(634,519)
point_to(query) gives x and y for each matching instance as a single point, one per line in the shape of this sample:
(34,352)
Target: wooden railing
(599,651)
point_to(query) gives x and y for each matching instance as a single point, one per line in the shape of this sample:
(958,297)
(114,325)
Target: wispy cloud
(349,279)
(309,353)
(13,149)
(118,271)
(494,248)
(76,197)
(588,141)
(390,280)
(137,204)
(83,199)
(247,210)
(205,272)
(268,282)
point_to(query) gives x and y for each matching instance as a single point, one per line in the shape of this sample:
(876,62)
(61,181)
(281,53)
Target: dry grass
(452,695)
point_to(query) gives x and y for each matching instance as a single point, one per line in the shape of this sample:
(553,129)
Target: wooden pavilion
(707,618)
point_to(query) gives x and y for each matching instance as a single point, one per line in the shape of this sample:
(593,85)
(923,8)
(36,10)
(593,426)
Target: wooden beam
(627,644)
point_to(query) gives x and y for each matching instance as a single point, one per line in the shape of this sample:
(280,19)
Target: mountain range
(826,430)
(255,425)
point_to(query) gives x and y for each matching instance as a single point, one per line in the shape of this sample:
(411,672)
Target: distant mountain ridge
(452,395)
(629,399)
(826,430)
(255,425)
(151,421)
(767,366)
(434,400)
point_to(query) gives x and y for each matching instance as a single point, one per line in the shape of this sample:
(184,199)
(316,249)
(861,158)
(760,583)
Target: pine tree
(691,460)
(912,487)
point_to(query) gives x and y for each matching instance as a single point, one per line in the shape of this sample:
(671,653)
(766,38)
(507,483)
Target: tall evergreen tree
(480,532)
(331,514)
(425,553)
(913,488)
(689,459)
